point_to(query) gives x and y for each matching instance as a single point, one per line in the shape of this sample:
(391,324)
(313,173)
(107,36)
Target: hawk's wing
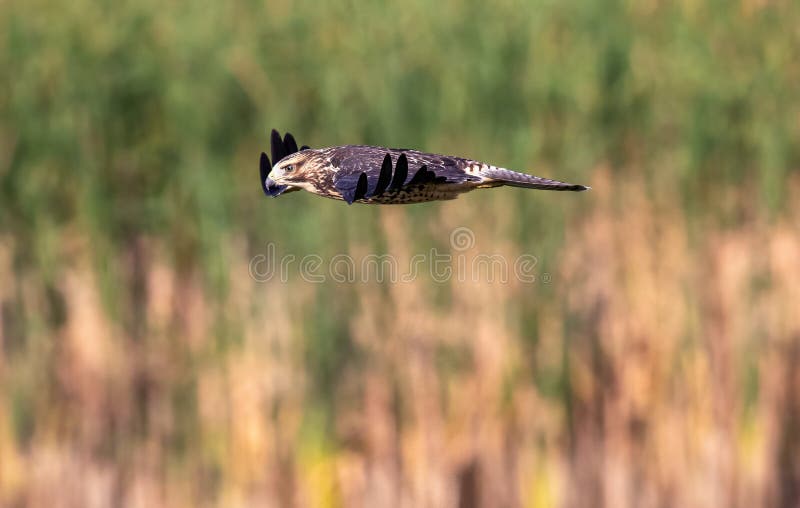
(369,171)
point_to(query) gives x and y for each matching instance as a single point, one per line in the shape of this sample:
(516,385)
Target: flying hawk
(377,175)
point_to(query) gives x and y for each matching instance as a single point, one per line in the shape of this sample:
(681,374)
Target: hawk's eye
(288,169)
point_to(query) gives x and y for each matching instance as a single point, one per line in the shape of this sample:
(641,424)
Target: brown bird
(378,175)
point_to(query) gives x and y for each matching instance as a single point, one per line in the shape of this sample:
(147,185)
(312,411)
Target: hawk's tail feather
(512,178)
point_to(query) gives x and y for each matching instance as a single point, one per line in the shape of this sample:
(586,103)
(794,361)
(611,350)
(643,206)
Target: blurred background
(655,361)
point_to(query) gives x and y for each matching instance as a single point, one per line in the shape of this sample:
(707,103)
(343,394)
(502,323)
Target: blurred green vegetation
(124,121)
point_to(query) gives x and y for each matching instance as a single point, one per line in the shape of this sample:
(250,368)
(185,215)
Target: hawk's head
(288,173)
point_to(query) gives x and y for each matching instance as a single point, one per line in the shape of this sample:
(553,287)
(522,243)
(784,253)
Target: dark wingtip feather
(264,169)
(361,187)
(278,150)
(289,144)
(422,176)
(400,172)
(385,177)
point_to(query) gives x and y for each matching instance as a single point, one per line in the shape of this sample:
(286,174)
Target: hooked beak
(268,185)
(274,189)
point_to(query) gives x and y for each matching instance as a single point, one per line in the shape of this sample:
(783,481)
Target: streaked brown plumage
(377,175)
